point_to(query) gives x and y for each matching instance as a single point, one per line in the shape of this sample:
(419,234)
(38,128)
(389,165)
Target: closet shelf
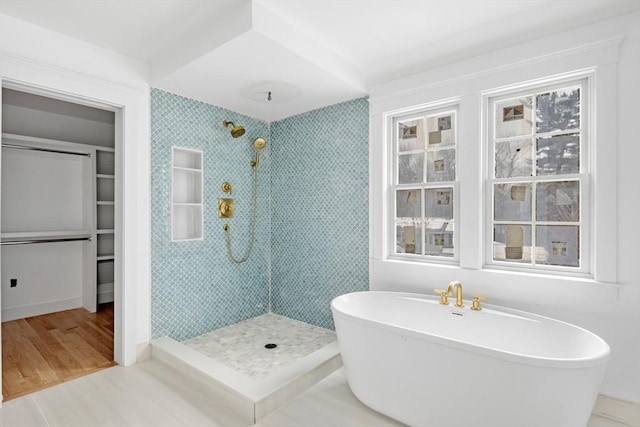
(107,285)
(105,257)
(105,231)
(106,202)
(105,176)
(27,235)
(47,143)
(107,149)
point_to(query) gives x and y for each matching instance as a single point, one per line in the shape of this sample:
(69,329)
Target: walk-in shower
(212,317)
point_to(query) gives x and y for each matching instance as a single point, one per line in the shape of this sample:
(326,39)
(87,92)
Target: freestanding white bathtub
(433,365)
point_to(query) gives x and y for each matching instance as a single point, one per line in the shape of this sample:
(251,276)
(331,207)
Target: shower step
(252,398)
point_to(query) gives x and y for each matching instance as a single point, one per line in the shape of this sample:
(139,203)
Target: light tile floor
(241,346)
(151,394)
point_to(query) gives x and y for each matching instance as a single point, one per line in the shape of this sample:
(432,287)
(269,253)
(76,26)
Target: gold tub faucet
(456,287)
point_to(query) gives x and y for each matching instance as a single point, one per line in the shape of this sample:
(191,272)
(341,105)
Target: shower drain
(270,346)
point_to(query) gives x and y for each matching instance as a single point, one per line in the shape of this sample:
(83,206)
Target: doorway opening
(59,252)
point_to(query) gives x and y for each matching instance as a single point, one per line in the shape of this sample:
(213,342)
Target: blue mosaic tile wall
(195,288)
(320,210)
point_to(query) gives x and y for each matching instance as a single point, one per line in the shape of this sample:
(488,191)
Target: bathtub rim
(599,359)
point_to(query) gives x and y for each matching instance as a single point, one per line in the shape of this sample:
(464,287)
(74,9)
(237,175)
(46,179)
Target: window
(570,242)
(424,184)
(537,184)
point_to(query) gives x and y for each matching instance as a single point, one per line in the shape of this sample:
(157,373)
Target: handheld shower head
(259,143)
(236,130)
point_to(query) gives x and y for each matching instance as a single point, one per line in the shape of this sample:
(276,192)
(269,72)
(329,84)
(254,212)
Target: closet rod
(48,150)
(30,242)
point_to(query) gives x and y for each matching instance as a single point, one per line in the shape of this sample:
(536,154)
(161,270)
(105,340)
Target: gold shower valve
(225,208)
(226,187)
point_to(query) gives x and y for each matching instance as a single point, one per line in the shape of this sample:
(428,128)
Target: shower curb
(253,399)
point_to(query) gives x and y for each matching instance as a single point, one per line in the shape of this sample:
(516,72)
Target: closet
(58,201)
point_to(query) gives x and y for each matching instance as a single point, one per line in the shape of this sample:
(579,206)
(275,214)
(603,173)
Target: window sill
(405,274)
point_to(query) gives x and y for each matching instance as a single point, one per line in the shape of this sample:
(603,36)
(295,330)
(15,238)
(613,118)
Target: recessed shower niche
(186,196)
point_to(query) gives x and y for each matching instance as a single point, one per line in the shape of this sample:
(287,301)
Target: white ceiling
(308,53)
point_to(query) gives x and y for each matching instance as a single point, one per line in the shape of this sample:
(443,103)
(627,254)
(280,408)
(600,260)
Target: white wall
(49,279)
(621,321)
(63,67)
(41,192)
(610,310)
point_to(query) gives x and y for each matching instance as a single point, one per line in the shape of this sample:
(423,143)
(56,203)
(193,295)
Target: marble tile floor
(151,394)
(241,346)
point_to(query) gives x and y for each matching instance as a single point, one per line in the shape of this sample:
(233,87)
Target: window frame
(392,122)
(584,176)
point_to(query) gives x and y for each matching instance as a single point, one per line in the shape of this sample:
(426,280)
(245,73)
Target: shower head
(236,130)
(259,143)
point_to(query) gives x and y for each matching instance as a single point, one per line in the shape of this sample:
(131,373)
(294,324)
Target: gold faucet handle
(475,304)
(444,299)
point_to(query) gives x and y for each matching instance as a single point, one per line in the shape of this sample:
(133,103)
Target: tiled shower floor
(241,346)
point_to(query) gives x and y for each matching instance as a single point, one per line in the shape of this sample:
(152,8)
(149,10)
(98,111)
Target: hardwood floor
(45,350)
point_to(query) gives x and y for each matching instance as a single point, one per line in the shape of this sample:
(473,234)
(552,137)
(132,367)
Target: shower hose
(254,215)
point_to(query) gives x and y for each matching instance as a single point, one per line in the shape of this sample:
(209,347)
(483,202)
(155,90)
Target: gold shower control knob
(225,208)
(226,187)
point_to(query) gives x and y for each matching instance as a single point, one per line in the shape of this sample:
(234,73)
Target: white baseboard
(14,313)
(622,411)
(143,352)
